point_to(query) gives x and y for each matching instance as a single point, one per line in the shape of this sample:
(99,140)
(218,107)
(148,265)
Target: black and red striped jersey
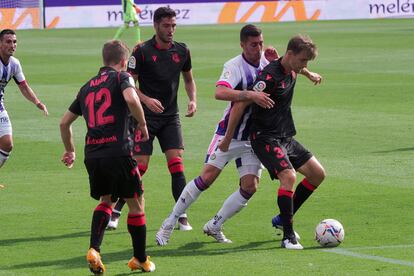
(100,101)
(159,71)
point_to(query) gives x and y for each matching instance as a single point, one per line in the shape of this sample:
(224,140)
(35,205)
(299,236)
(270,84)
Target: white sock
(4,155)
(233,204)
(187,197)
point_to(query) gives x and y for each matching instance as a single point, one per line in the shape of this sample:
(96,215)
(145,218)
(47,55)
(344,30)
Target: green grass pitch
(359,123)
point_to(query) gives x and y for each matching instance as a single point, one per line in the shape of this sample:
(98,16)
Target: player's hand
(191,109)
(137,9)
(224,144)
(42,107)
(142,132)
(261,99)
(68,158)
(315,78)
(154,105)
(271,53)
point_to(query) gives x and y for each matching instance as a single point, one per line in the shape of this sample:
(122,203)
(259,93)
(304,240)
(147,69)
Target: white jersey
(8,71)
(238,74)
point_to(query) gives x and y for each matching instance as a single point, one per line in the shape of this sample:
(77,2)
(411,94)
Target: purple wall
(63,3)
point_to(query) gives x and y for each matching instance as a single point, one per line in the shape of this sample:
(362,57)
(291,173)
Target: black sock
(138,231)
(176,168)
(118,207)
(302,193)
(100,220)
(285,203)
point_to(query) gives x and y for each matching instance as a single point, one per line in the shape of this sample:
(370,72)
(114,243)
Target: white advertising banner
(211,13)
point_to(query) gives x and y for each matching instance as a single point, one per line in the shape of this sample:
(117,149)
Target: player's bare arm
(153,104)
(68,157)
(28,93)
(190,88)
(227,94)
(312,76)
(136,110)
(235,115)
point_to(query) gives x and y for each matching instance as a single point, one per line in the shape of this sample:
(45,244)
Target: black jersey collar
(104,69)
(157,46)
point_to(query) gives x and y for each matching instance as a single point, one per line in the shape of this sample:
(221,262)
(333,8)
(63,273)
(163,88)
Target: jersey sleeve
(187,65)
(18,75)
(126,81)
(230,76)
(75,107)
(135,61)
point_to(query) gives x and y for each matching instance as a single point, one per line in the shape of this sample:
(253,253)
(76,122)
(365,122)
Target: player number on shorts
(97,118)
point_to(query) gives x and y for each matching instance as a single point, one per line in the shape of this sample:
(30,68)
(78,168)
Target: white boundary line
(370,257)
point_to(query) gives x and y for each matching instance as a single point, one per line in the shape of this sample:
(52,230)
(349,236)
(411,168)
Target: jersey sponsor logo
(154,58)
(175,57)
(132,62)
(260,86)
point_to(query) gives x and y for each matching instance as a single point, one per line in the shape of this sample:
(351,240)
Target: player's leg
(274,157)
(138,231)
(6,138)
(216,160)
(250,170)
(6,146)
(172,145)
(121,30)
(100,188)
(191,192)
(100,219)
(314,175)
(142,152)
(137,32)
(304,162)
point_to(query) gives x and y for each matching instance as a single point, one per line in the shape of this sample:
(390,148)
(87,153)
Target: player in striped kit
(238,73)
(10,68)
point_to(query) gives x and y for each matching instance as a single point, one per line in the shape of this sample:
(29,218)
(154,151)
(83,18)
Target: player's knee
(317,177)
(287,179)
(249,184)
(175,165)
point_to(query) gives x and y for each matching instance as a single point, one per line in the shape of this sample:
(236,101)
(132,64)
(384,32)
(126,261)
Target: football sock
(233,204)
(137,32)
(120,31)
(121,202)
(302,193)
(176,168)
(100,219)
(138,231)
(188,196)
(4,155)
(285,203)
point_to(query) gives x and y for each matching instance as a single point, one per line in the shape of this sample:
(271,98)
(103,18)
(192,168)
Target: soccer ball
(329,233)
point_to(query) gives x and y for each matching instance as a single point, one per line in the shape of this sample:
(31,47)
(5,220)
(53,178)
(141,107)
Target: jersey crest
(175,57)
(132,62)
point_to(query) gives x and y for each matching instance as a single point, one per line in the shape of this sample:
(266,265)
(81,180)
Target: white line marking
(368,257)
(382,247)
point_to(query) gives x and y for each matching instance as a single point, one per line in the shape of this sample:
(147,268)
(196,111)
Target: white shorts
(5,124)
(246,161)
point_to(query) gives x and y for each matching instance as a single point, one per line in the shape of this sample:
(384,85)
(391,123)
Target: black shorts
(168,132)
(278,154)
(116,176)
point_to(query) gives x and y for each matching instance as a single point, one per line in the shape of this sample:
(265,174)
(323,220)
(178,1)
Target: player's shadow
(395,150)
(7,242)
(187,250)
